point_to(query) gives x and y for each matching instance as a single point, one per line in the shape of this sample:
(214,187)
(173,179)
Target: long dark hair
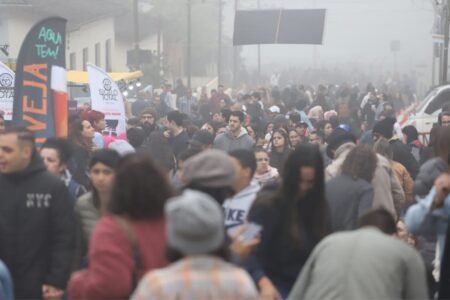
(308,212)
(442,143)
(142,190)
(76,136)
(284,134)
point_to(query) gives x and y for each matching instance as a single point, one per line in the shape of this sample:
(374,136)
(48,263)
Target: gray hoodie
(227,142)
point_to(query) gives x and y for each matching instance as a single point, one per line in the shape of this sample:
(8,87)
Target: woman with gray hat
(196,243)
(211,172)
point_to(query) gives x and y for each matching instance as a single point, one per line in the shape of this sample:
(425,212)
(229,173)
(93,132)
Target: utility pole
(189,43)
(446,38)
(158,46)
(219,50)
(235,52)
(136,32)
(259,50)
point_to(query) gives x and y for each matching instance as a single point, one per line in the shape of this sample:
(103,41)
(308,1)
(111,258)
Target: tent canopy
(80,77)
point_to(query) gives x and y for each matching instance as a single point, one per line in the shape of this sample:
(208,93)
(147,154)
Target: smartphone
(251,231)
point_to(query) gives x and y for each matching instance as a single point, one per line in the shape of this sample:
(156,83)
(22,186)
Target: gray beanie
(195,223)
(210,168)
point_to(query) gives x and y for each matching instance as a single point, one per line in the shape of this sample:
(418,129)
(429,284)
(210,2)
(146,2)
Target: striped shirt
(198,277)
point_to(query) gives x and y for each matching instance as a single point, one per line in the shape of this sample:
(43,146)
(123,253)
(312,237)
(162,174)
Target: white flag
(6,91)
(107,98)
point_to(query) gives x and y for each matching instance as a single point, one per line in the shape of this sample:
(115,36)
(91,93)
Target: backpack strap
(126,227)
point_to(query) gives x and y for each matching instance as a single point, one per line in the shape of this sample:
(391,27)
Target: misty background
(358,34)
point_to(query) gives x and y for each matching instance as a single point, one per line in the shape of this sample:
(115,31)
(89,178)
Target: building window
(73,61)
(85,58)
(98,61)
(108,55)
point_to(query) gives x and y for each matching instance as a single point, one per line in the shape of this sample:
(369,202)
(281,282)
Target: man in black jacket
(36,220)
(402,154)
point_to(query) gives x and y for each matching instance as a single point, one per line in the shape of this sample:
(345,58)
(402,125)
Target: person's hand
(51,293)
(267,290)
(241,247)
(442,185)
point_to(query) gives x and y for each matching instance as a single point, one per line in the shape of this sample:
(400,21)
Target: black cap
(202,138)
(338,137)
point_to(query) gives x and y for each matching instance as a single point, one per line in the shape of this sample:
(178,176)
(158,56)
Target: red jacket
(110,270)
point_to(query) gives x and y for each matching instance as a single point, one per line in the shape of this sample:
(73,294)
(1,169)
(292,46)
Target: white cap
(274,109)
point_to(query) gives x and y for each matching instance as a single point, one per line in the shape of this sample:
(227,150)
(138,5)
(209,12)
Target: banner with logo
(40,89)
(107,98)
(6,91)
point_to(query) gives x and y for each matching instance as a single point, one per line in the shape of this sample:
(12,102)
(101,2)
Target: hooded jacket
(36,229)
(388,192)
(428,173)
(404,156)
(227,142)
(237,208)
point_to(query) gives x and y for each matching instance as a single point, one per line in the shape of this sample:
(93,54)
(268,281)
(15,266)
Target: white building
(98,31)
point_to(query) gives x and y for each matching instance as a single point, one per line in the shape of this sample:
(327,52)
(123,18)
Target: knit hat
(385,127)
(210,168)
(338,137)
(202,138)
(149,111)
(195,223)
(108,157)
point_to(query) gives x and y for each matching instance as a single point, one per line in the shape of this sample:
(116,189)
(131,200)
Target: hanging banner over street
(280,26)
(40,90)
(107,98)
(6,91)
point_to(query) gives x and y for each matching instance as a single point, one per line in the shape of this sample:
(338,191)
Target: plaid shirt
(199,277)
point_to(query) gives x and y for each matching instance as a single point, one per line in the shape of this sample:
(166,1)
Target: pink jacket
(110,271)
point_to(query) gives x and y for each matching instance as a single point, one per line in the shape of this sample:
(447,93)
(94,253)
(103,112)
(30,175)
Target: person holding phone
(245,187)
(294,219)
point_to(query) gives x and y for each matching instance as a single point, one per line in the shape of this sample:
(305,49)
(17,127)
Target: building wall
(17,28)
(86,37)
(83,40)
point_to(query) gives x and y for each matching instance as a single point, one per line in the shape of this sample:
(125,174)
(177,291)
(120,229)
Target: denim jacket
(6,285)
(421,219)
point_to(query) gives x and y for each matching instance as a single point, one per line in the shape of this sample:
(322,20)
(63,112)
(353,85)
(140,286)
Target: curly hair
(142,190)
(360,163)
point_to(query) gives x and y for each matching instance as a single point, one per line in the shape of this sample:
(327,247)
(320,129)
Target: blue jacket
(420,219)
(6,284)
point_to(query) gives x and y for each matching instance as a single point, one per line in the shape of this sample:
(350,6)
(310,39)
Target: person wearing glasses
(264,172)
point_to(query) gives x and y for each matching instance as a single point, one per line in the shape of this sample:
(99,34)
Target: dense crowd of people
(294,193)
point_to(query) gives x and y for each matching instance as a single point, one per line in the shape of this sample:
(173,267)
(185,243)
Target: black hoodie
(36,229)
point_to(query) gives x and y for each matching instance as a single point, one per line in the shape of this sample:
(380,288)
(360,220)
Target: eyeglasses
(262,159)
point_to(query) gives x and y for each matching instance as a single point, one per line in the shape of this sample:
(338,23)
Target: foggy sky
(356,31)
